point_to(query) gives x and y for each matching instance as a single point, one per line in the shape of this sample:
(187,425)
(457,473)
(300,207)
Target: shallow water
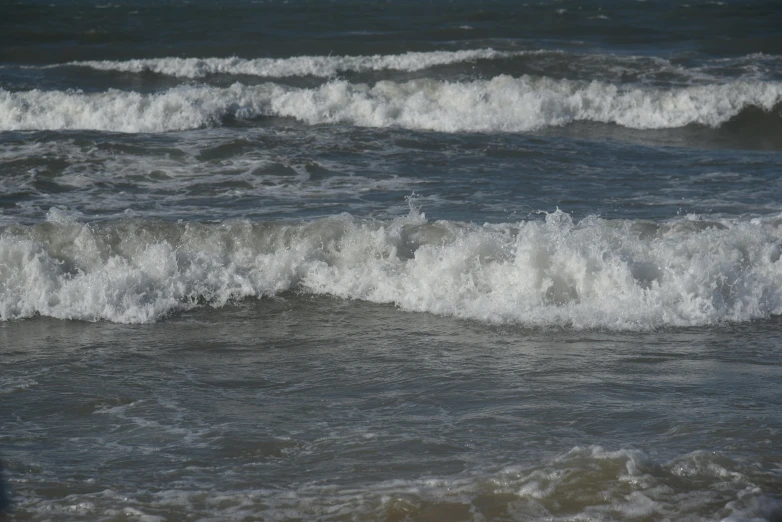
(297,407)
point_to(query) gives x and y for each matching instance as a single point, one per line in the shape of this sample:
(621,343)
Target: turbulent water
(312,260)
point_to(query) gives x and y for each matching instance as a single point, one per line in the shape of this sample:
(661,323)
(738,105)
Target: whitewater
(502,104)
(321,66)
(590,274)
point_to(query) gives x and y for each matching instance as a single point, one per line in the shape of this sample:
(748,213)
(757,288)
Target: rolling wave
(320,66)
(649,70)
(623,275)
(502,104)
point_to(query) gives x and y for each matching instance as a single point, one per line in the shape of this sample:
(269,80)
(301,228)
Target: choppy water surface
(305,408)
(370,261)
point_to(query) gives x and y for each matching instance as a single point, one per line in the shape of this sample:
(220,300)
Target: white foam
(620,275)
(503,104)
(321,66)
(507,104)
(177,109)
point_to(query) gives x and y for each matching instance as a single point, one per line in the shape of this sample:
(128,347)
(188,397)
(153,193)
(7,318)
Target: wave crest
(319,66)
(621,275)
(503,104)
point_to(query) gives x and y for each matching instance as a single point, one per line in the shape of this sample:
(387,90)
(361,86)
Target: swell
(623,275)
(502,104)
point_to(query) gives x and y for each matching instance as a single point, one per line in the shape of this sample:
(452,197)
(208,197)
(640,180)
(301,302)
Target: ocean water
(437,260)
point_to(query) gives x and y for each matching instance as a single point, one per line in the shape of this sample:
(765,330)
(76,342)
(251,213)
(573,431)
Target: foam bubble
(503,104)
(620,275)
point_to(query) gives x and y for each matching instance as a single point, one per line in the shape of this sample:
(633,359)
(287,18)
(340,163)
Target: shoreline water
(348,407)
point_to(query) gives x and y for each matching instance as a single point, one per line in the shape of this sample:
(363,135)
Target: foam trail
(321,66)
(621,275)
(503,104)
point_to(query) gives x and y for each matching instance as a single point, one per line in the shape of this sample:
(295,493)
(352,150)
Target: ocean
(432,260)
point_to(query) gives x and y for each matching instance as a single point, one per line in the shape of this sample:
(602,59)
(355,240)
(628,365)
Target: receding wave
(586,483)
(624,275)
(503,104)
(321,66)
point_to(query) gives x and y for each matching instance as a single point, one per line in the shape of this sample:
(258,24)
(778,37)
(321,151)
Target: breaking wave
(623,275)
(503,104)
(320,66)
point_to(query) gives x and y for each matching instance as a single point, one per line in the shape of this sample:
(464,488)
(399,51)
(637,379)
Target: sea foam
(623,275)
(320,66)
(502,104)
